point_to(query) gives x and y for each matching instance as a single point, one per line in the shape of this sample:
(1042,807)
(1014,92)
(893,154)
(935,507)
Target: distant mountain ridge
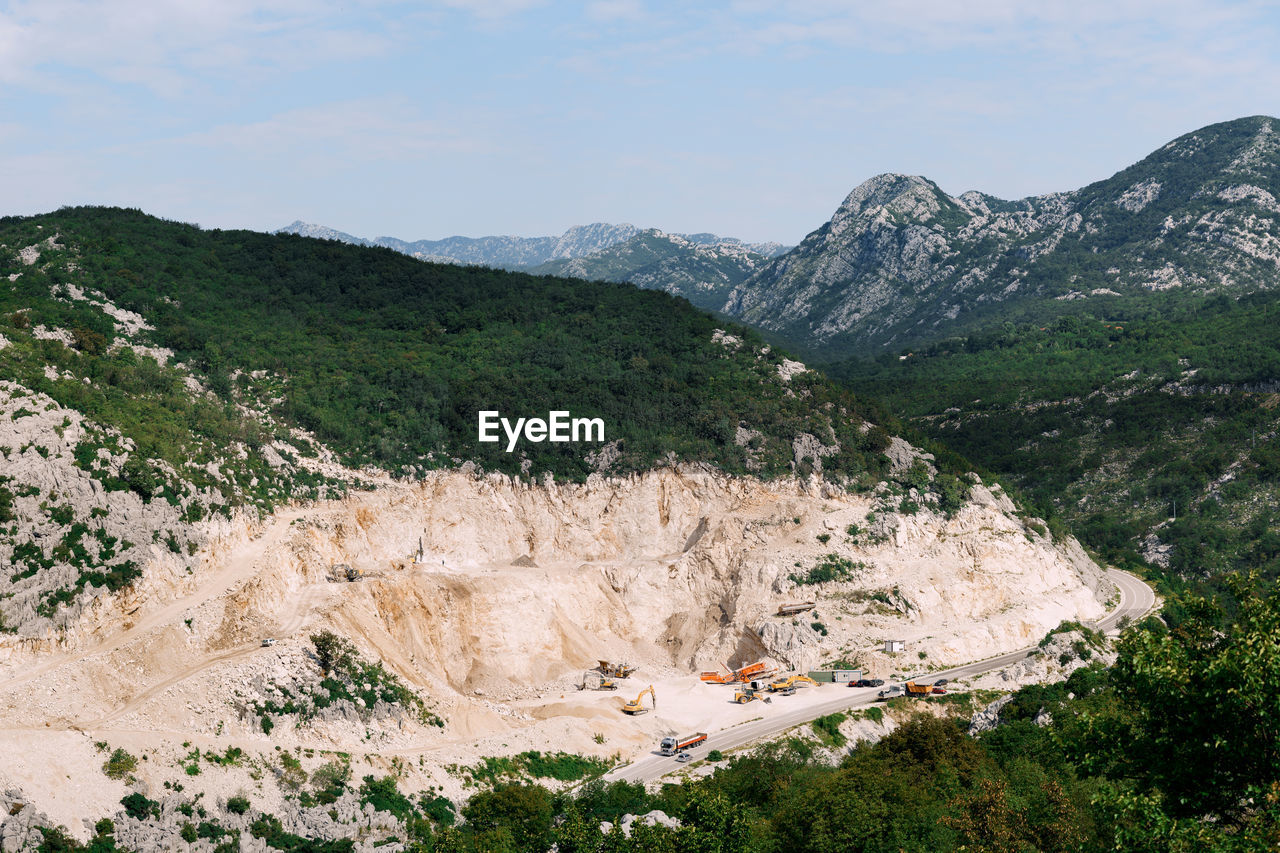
(516,253)
(704,271)
(901,262)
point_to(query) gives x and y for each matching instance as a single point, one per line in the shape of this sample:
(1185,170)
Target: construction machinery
(675,745)
(615,670)
(747,673)
(749,693)
(636,706)
(918,690)
(344,572)
(592,680)
(787,686)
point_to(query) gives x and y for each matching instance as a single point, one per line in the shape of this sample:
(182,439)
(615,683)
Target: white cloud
(491,9)
(363,130)
(169,46)
(616,10)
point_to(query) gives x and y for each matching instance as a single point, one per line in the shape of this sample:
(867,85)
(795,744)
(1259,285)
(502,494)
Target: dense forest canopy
(1125,426)
(389,359)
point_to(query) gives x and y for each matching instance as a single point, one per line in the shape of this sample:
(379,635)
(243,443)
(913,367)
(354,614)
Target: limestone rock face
(796,646)
(681,568)
(900,261)
(18,822)
(989,717)
(657,817)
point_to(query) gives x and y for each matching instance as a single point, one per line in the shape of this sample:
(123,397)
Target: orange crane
(636,706)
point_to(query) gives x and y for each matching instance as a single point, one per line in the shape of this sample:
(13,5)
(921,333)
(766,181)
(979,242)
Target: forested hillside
(1152,434)
(389,358)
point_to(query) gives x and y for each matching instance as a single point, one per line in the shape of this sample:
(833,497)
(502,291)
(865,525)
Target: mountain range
(704,272)
(516,253)
(901,262)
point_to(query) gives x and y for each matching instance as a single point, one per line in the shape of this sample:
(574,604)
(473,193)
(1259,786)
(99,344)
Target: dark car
(861,682)
(941,682)
(877,682)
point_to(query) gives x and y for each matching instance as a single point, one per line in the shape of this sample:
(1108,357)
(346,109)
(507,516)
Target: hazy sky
(751,119)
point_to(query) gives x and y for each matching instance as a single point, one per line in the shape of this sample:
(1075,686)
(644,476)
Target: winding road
(1136,600)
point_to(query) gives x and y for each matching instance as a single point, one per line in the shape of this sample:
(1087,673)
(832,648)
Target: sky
(750,119)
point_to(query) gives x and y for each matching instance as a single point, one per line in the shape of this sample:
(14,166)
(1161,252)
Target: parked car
(941,682)
(269,641)
(939,690)
(877,682)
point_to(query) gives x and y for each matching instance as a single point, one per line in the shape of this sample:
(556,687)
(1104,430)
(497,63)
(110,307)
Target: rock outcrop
(901,261)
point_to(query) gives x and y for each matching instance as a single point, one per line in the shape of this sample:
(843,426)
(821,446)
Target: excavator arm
(636,706)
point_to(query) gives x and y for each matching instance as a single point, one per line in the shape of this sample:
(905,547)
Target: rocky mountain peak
(902,262)
(903,197)
(584,239)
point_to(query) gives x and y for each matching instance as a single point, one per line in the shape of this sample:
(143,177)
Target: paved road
(1136,599)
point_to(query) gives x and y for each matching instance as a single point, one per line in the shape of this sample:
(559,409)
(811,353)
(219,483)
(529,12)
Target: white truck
(676,745)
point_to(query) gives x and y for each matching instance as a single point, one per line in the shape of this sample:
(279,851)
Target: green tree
(334,653)
(1197,726)
(525,810)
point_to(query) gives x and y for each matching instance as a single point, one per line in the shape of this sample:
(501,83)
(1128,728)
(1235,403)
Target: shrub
(833,567)
(439,809)
(239,804)
(828,728)
(119,765)
(139,807)
(715,755)
(383,795)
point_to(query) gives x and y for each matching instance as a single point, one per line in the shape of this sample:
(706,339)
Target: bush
(238,804)
(439,809)
(139,807)
(715,755)
(828,728)
(383,795)
(119,765)
(833,567)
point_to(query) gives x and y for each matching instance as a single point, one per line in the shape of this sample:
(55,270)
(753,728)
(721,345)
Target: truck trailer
(675,745)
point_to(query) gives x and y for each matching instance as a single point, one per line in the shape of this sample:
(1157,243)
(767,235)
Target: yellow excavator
(635,706)
(787,686)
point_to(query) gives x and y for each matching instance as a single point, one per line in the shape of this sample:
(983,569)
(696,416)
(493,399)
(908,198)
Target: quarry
(491,600)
